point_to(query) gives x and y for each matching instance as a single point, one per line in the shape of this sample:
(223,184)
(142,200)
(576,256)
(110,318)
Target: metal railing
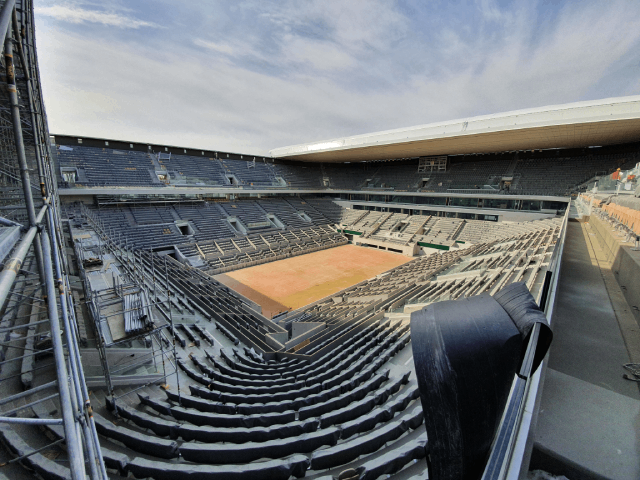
(512,446)
(24,149)
(154,281)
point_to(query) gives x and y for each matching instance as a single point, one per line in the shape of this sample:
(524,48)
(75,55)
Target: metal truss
(35,273)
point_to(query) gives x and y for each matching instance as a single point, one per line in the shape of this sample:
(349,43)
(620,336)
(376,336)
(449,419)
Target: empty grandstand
(124,355)
(541,173)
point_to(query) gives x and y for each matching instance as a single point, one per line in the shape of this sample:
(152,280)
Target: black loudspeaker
(466,353)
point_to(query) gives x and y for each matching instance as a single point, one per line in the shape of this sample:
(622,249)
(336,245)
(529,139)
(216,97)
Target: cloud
(217,47)
(78,15)
(355,25)
(322,56)
(275,74)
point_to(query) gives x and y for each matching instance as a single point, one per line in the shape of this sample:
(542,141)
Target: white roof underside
(594,123)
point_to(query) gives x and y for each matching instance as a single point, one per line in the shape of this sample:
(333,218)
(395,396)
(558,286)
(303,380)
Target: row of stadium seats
(550,175)
(343,403)
(358,410)
(221,256)
(155,226)
(403,229)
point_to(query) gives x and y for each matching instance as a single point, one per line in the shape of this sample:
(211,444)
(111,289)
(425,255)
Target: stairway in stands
(511,168)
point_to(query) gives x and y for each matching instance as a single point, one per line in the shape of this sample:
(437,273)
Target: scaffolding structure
(34,276)
(146,276)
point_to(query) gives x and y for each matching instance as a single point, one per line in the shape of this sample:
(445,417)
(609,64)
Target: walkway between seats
(589,419)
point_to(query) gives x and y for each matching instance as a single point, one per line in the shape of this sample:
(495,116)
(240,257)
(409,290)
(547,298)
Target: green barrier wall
(433,245)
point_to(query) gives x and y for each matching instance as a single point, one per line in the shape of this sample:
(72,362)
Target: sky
(250,76)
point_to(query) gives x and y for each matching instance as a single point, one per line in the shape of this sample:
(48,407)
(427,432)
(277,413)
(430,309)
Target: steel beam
(81,400)
(32,421)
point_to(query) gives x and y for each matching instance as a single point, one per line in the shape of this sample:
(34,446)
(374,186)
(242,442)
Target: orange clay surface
(298,281)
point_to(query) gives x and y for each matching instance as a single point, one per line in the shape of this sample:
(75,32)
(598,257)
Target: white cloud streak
(78,15)
(327,75)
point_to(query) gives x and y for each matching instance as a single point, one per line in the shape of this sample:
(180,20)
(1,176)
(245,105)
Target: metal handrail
(509,448)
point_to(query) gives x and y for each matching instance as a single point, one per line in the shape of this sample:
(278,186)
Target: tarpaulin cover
(339,374)
(191,373)
(260,384)
(365,422)
(331,373)
(203,367)
(240,365)
(271,390)
(115,460)
(295,465)
(319,397)
(48,469)
(157,447)
(254,356)
(232,372)
(227,333)
(252,409)
(324,363)
(201,404)
(278,401)
(339,402)
(159,426)
(195,340)
(351,411)
(393,461)
(179,338)
(243,435)
(525,313)
(204,333)
(229,375)
(257,364)
(370,385)
(381,395)
(401,401)
(352,449)
(112,460)
(204,392)
(414,417)
(232,421)
(159,406)
(248,452)
(466,353)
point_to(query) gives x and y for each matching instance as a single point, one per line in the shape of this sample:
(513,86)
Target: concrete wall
(625,262)
(82,198)
(407,250)
(276,340)
(503,215)
(301,331)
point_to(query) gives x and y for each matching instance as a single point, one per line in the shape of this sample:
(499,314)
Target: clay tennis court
(295,282)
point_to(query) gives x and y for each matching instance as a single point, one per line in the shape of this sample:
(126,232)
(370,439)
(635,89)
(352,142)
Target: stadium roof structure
(608,121)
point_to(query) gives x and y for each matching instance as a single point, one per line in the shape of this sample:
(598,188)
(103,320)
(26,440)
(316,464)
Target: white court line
(410,358)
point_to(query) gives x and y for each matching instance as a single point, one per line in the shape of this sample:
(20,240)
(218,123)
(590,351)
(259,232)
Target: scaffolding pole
(48,245)
(76,457)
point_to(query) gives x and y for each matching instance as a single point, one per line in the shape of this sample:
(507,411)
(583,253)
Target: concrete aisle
(589,420)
